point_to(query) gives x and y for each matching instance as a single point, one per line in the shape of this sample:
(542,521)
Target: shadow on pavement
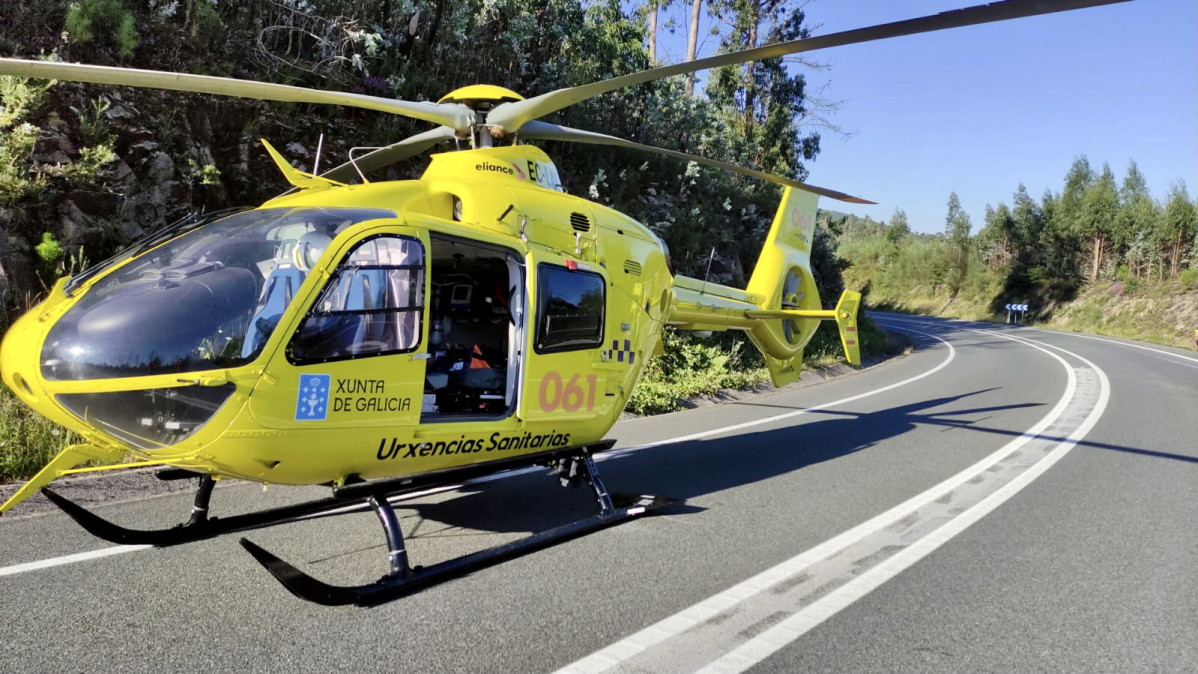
(690,469)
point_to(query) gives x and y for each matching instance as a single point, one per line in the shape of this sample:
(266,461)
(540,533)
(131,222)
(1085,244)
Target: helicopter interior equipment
(384,337)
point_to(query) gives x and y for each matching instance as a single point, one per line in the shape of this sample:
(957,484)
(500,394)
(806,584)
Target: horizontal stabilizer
(846,323)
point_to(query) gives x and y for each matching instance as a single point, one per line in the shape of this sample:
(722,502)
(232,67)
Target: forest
(1099,238)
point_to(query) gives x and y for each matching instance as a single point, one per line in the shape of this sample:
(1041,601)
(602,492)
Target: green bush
(205,174)
(206,24)
(49,255)
(20,96)
(87,167)
(17,179)
(692,366)
(1188,277)
(86,19)
(93,130)
(126,35)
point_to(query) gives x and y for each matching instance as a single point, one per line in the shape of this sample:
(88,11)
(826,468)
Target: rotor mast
(481,99)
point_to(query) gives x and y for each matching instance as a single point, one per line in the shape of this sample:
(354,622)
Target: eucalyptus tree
(1178,226)
(956,231)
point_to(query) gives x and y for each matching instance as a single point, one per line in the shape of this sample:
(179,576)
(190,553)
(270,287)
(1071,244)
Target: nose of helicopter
(141,351)
(124,410)
(19,365)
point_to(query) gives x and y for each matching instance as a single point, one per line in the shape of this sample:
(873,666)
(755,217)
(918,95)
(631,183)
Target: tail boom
(781,309)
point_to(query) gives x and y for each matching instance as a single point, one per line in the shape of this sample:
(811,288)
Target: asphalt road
(1001,499)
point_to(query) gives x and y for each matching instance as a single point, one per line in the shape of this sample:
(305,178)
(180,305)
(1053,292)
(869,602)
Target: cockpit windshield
(208,299)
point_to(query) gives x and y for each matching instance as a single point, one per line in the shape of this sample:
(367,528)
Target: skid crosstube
(402,578)
(396,585)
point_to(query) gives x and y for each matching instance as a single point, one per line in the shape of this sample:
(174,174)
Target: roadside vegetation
(694,366)
(1102,255)
(27,440)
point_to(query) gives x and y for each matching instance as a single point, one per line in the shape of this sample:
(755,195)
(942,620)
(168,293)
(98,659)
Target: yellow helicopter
(384,337)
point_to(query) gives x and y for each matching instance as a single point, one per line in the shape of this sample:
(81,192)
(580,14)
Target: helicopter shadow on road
(689,469)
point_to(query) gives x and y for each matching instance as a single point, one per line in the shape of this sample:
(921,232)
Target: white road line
(893,317)
(1115,341)
(756,649)
(69,559)
(952,353)
(786,632)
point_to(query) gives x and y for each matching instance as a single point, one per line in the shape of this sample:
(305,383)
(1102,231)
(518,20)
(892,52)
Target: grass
(1164,312)
(27,440)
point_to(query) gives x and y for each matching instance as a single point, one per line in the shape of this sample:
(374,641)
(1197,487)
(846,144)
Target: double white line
(741,626)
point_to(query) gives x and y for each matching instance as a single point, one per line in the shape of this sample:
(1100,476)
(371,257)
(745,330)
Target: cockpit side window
(569,308)
(371,306)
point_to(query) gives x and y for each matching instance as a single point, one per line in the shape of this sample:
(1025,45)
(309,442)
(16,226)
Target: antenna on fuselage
(316,162)
(710,259)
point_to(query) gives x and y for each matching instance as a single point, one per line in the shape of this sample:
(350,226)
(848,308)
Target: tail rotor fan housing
(792,295)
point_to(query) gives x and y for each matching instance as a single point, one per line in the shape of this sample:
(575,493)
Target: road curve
(1001,499)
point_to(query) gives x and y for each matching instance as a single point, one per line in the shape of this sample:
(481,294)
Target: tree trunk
(652,31)
(692,42)
(1096,257)
(750,84)
(432,33)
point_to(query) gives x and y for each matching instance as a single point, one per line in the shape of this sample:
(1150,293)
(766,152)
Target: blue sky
(978,110)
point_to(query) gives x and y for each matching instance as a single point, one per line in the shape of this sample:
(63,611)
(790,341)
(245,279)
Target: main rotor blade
(394,153)
(448,114)
(546,131)
(512,116)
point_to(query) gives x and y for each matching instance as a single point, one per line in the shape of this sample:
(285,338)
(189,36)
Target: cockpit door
(566,340)
(355,349)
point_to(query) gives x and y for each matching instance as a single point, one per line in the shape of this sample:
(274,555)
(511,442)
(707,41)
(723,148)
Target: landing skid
(200,526)
(573,466)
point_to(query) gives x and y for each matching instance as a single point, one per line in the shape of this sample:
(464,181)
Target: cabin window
(371,306)
(569,309)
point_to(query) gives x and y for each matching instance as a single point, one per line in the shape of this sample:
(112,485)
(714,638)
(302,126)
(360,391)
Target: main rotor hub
(481,97)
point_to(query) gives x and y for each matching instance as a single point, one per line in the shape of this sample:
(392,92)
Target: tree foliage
(165,153)
(1042,252)
(956,230)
